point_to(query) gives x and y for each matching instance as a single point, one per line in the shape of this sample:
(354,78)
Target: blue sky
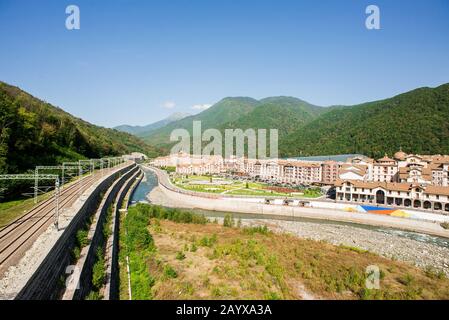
(136,62)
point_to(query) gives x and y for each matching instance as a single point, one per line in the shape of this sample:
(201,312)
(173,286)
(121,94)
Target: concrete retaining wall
(112,247)
(45,283)
(82,279)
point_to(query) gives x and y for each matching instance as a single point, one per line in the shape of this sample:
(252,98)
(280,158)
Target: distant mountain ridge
(226,110)
(145,130)
(283,113)
(416,120)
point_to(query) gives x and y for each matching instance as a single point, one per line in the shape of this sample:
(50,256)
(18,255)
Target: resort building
(284,171)
(410,195)
(406,180)
(385,170)
(329,172)
(349,171)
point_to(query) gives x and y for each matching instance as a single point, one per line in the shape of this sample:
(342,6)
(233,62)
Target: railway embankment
(42,272)
(111,289)
(85,282)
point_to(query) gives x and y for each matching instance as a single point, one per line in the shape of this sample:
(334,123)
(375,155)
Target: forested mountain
(226,110)
(283,113)
(417,121)
(146,130)
(33,132)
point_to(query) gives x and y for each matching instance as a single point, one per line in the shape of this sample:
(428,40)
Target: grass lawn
(210,261)
(11,210)
(198,184)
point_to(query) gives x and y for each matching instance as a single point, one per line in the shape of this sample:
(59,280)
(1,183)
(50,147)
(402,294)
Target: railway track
(18,236)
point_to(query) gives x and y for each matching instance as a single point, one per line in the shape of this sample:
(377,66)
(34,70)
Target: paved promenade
(168,195)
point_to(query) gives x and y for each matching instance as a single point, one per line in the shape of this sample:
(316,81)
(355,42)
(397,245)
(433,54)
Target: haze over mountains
(417,121)
(145,130)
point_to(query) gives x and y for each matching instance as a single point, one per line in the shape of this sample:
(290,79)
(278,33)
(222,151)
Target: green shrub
(406,280)
(180,255)
(208,242)
(432,273)
(76,253)
(355,249)
(272,296)
(81,238)
(193,247)
(94,295)
(259,229)
(239,223)
(99,271)
(228,221)
(169,272)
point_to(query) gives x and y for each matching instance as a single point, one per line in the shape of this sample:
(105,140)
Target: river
(150,181)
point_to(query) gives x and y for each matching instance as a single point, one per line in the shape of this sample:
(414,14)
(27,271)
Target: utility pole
(36,184)
(34,177)
(57,204)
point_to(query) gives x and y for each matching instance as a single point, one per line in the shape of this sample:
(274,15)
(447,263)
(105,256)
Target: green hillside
(35,132)
(283,113)
(418,121)
(226,110)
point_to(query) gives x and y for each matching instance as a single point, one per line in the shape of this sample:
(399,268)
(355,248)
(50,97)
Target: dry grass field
(210,261)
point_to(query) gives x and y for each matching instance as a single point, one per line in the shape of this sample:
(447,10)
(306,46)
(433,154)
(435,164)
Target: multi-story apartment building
(418,181)
(385,170)
(440,175)
(284,171)
(329,172)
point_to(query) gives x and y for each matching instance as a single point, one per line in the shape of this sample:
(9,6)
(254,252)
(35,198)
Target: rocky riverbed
(392,246)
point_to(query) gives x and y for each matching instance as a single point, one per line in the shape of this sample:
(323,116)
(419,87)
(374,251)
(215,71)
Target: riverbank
(163,196)
(196,259)
(387,243)
(390,245)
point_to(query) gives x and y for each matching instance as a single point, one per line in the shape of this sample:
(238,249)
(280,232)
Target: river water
(150,181)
